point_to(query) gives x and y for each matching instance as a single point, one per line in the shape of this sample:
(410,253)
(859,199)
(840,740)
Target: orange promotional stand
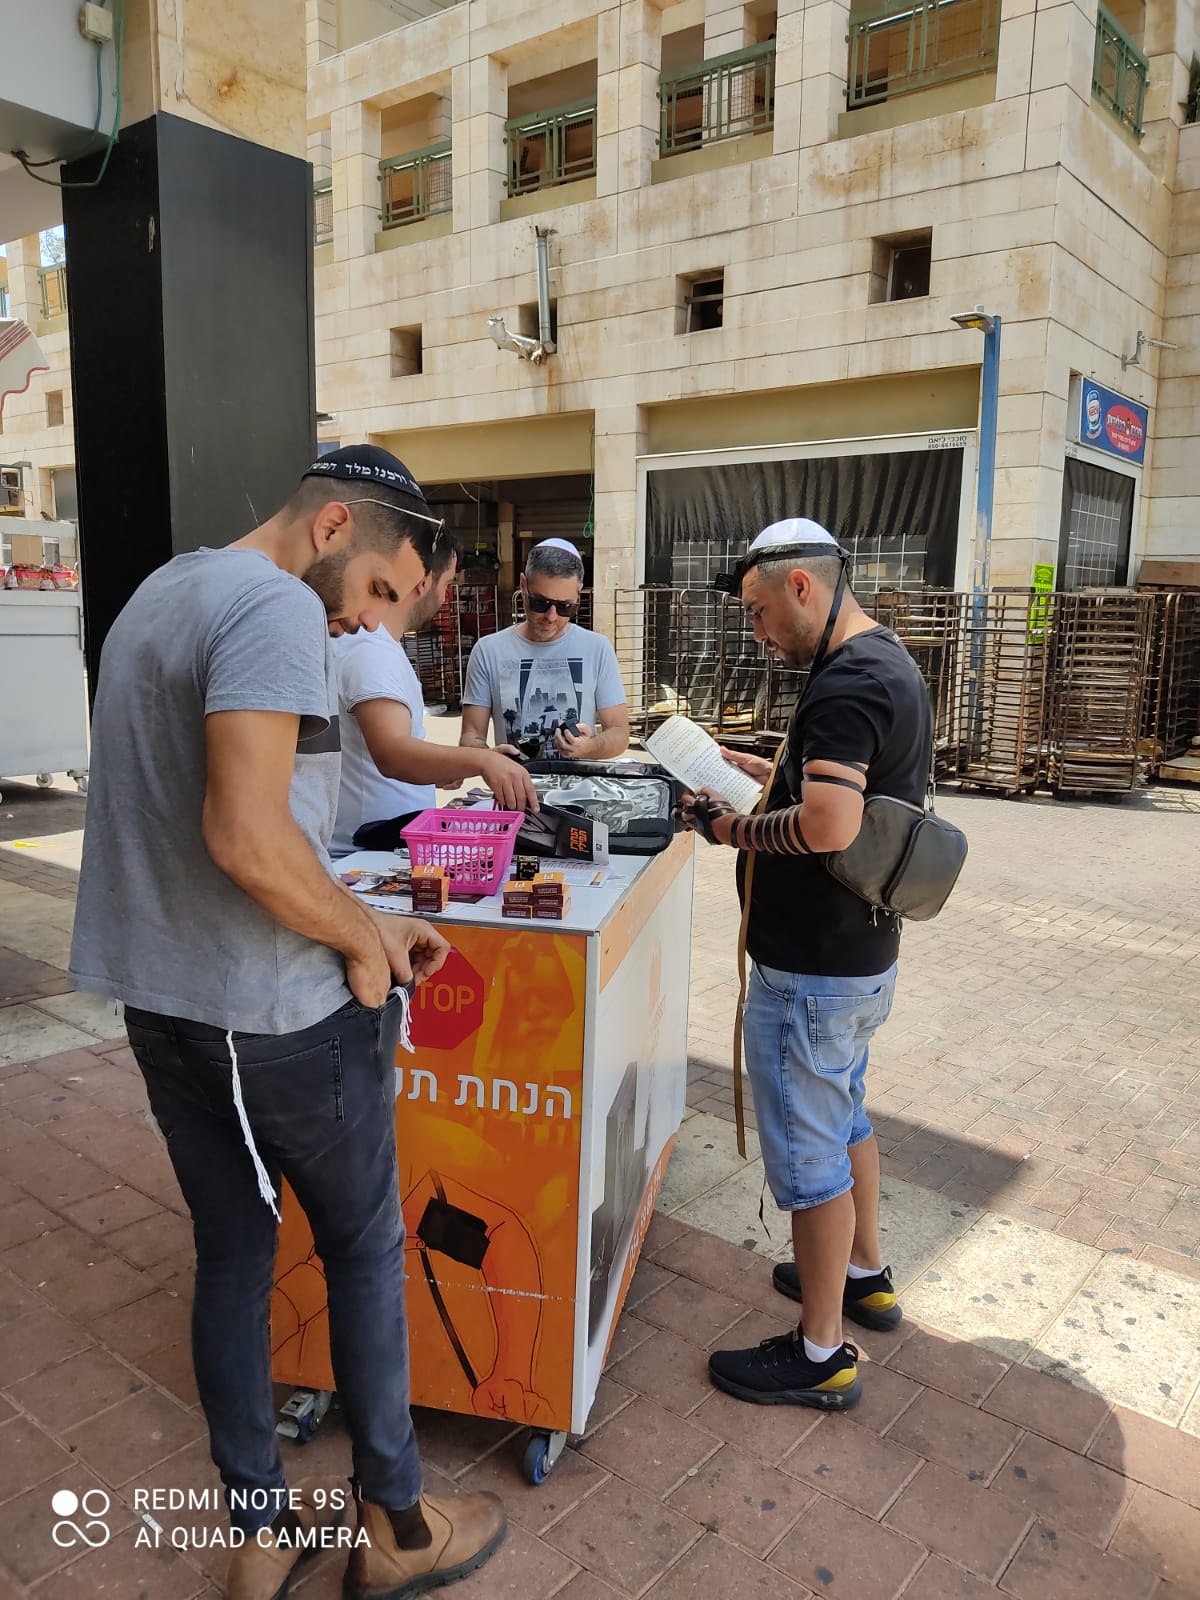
(534,1121)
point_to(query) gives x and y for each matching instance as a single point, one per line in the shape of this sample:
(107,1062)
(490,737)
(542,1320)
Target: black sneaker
(871,1302)
(778,1373)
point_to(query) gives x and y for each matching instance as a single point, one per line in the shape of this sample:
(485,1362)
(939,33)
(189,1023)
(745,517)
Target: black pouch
(456,1233)
(906,859)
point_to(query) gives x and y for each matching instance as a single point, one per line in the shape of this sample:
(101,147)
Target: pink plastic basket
(475,847)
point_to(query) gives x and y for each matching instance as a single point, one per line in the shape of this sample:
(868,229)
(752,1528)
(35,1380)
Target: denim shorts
(806,1044)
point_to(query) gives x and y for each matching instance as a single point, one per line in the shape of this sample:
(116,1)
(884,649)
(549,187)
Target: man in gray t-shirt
(257,988)
(549,688)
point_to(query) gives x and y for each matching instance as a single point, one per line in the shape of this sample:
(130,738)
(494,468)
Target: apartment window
(55,414)
(1096,526)
(66,493)
(700,302)
(527,321)
(323,212)
(900,267)
(407,352)
(551,129)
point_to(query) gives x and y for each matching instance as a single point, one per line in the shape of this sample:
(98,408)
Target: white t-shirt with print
(529,688)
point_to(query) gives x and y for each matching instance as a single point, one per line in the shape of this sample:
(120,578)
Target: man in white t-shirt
(389,771)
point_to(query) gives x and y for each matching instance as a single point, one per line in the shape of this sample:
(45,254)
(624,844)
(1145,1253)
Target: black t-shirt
(867,703)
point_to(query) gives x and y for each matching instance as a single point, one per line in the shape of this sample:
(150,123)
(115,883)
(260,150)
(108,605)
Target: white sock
(818,1353)
(862,1272)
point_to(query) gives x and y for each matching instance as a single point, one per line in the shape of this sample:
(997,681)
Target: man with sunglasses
(551,690)
(258,995)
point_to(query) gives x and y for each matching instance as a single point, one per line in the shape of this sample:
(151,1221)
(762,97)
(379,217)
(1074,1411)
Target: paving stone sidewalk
(1034,1025)
(1043,1056)
(963,1474)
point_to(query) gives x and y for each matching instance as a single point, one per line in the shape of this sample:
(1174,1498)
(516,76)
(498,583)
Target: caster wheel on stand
(45,780)
(541,1456)
(303,1414)
(81,781)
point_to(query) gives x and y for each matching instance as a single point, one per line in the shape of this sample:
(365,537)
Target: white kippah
(559,544)
(794,530)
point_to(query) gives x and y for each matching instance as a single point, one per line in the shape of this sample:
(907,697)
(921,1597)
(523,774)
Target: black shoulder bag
(906,859)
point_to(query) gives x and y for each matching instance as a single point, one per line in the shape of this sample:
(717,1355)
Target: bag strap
(739,1109)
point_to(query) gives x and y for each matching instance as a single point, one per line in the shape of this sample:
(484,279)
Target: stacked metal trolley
(1097,682)
(1084,693)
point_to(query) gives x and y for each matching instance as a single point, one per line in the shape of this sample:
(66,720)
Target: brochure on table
(590,905)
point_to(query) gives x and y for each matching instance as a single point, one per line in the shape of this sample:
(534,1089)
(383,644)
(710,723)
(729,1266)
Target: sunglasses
(542,604)
(437,522)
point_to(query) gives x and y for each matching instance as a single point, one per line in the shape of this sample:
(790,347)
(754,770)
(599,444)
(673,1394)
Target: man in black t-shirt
(824,960)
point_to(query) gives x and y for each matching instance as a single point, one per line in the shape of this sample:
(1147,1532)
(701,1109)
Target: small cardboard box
(27,550)
(1182,572)
(551,910)
(521,913)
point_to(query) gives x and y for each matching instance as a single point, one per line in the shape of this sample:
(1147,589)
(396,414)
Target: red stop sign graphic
(448,1008)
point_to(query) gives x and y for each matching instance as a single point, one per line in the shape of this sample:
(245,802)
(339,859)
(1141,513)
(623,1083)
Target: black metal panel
(892,510)
(190,282)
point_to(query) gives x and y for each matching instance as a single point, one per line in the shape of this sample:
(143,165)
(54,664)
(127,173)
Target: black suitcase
(634,799)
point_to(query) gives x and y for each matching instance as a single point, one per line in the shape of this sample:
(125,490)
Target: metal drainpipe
(543,286)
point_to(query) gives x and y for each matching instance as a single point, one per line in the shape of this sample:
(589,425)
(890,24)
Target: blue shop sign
(1108,421)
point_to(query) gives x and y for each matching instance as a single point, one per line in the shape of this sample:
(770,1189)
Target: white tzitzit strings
(265,1186)
(405,1039)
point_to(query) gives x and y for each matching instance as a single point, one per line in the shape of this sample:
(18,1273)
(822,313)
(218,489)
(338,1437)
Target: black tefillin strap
(731,583)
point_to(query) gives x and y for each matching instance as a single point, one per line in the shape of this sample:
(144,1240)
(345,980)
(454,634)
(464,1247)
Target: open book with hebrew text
(689,754)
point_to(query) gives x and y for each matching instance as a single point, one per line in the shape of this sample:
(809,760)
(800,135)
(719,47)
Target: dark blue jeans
(321,1106)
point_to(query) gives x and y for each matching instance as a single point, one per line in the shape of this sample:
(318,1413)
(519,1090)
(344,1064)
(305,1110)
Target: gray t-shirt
(157,923)
(529,688)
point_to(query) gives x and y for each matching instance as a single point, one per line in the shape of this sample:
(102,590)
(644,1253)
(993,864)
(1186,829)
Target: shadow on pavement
(27,812)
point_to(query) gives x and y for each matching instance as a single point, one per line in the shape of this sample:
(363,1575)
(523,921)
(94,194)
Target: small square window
(527,322)
(55,414)
(407,352)
(700,302)
(900,267)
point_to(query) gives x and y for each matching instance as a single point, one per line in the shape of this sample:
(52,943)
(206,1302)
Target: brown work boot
(466,1531)
(263,1569)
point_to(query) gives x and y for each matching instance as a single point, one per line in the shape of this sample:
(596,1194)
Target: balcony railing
(551,147)
(53,281)
(415,185)
(904,48)
(3,301)
(718,99)
(1119,73)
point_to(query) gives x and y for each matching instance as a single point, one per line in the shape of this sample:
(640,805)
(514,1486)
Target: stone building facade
(760,221)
